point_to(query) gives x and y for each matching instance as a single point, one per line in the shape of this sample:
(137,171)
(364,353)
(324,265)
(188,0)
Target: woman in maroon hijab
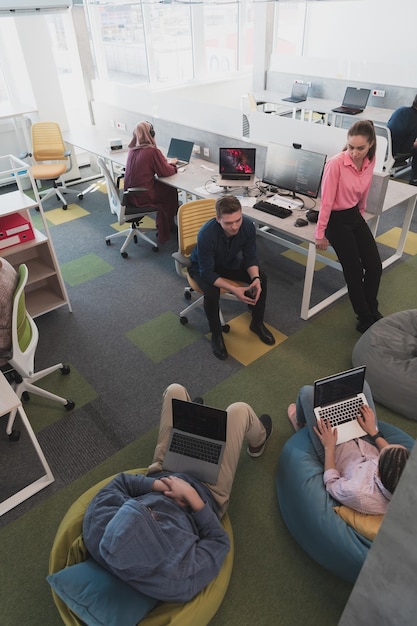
(144,162)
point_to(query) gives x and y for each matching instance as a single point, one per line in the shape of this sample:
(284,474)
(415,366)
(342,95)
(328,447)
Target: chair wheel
(124,255)
(14,435)
(187,295)
(65,207)
(108,242)
(226,328)
(155,249)
(25,396)
(184,320)
(80,196)
(69,405)
(65,369)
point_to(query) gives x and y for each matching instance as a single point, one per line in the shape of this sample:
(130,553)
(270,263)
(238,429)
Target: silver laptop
(337,398)
(354,101)
(181,150)
(299,93)
(197,440)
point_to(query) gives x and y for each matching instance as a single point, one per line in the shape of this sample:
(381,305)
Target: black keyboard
(203,450)
(272,209)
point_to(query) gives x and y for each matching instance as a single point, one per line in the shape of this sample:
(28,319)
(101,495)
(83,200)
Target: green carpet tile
(83,269)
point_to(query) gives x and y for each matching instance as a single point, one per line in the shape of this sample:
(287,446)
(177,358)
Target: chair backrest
(24,331)
(116,206)
(47,142)
(383,131)
(191,217)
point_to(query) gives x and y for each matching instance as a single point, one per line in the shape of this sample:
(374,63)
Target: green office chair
(21,359)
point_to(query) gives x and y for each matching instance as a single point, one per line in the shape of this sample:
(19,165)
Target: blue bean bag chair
(308,509)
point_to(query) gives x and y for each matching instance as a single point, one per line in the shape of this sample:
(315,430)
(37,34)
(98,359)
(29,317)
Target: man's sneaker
(267,422)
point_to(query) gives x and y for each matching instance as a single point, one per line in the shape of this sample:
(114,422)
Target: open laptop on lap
(181,150)
(354,101)
(197,441)
(338,398)
(298,93)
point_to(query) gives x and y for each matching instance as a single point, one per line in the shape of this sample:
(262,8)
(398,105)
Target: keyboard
(342,412)
(196,448)
(272,209)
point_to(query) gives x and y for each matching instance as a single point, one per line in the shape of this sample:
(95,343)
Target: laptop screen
(199,419)
(339,386)
(356,98)
(299,90)
(237,161)
(180,149)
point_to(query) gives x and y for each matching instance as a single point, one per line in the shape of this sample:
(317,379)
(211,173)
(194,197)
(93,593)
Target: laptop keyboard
(196,448)
(342,412)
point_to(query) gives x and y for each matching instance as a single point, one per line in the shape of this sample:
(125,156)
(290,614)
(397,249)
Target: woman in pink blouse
(346,181)
(144,162)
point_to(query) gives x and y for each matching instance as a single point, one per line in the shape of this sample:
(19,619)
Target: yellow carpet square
(243,345)
(392,237)
(297,257)
(59,216)
(148,223)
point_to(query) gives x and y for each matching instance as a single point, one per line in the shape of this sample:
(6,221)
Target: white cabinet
(45,290)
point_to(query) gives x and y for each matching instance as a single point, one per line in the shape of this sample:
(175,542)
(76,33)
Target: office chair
(190,218)
(254,104)
(21,359)
(394,164)
(51,160)
(125,214)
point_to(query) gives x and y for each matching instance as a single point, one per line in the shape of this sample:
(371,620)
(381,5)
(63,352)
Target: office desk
(8,402)
(15,114)
(324,105)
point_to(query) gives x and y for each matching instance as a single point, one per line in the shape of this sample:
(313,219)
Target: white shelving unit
(45,290)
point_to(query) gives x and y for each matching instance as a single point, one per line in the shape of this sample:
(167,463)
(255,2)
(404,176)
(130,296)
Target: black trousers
(212,295)
(358,254)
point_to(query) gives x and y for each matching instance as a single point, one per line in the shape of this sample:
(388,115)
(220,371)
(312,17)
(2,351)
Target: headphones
(151,129)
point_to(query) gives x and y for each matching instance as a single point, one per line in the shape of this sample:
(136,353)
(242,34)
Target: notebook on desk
(181,150)
(337,398)
(298,93)
(354,101)
(197,440)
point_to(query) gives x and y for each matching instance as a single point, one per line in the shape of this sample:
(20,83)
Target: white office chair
(394,164)
(21,359)
(125,214)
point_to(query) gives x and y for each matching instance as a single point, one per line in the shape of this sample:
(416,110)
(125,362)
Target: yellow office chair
(125,214)
(25,337)
(51,160)
(190,218)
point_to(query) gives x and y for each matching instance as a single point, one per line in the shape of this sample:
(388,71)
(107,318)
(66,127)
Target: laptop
(354,101)
(298,93)
(236,167)
(197,440)
(338,398)
(181,150)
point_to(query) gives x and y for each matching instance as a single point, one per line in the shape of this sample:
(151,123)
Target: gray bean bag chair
(389,351)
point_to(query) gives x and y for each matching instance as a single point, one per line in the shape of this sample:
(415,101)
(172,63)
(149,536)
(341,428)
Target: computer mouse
(300,221)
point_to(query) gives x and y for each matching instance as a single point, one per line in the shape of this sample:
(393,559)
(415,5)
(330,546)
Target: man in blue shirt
(403,127)
(225,252)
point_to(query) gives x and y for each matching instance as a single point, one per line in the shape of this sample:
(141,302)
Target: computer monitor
(237,164)
(294,170)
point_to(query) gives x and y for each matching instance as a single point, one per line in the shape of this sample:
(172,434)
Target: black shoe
(198,400)
(263,333)
(413,181)
(267,422)
(218,347)
(363,325)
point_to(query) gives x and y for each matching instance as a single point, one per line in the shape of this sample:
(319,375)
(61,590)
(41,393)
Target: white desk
(17,113)
(8,402)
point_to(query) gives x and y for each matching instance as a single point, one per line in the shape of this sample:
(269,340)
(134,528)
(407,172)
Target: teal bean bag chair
(308,509)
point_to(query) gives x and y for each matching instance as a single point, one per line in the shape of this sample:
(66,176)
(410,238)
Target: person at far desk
(403,127)
(144,162)
(225,251)
(344,191)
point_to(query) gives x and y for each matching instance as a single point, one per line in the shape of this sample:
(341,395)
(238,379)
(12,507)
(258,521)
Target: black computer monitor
(237,163)
(294,169)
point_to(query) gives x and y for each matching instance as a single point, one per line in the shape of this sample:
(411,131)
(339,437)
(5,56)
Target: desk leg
(404,232)
(308,281)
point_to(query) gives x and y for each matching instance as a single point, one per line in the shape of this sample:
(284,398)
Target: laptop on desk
(181,150)
(236,167)
(298,93)
(338,398)
(354,101)
(197,440)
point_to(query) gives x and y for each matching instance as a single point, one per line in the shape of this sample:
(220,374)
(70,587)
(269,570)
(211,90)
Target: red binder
(14,230)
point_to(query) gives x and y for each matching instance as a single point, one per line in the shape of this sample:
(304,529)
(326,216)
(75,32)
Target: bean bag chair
(86,593)
(389,351)
(308,510)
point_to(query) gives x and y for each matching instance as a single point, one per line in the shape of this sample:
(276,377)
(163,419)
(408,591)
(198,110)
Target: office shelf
(45,290)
